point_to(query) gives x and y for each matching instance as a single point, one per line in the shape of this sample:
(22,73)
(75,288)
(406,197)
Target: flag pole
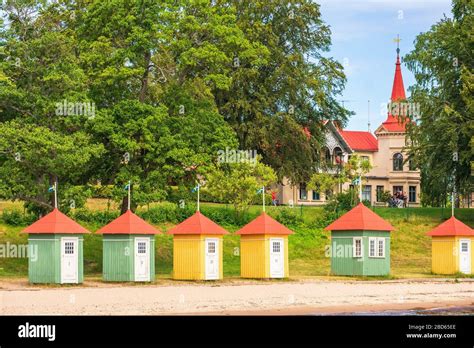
(263,197)
(198,188)
(128,203)
(56,193)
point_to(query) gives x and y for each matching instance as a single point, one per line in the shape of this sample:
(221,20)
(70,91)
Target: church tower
(392,160)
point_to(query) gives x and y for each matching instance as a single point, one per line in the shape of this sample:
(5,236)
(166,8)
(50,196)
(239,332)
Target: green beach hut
(56,249)
(360,243)
(128,249)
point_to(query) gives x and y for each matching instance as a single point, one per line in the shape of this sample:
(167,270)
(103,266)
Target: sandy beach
(300,297)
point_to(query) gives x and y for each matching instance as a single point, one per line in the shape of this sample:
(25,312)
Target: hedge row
(165,212)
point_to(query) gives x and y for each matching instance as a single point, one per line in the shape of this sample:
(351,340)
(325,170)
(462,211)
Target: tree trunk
(144,86)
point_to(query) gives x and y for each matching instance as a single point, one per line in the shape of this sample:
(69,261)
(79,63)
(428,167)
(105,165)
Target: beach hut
(197,249)
(56,249)
(451,248)
(264,248)
(128,249)
(360,243)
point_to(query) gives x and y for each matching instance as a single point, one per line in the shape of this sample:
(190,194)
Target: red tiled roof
(55,222)
(360,218)
(264,224)
(128,223)
(451,227)
(393,124)
(359,140)
(197,224)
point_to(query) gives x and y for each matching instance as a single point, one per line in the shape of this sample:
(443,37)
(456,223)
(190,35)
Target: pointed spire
(398,89)
(393,123)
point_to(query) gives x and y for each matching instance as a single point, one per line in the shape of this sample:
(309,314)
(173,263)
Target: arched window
(398,162)
(338,157)
(327,156)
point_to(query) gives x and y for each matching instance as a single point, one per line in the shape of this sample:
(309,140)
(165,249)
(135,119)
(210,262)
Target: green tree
(237,183)
(272,100)
(442,63)
(33,158)
(353,171)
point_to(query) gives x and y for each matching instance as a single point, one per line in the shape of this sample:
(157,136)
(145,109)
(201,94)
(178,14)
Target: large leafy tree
(39,69)
(34,158)
(172,82)
(272,101)
(167,56)
(443,62)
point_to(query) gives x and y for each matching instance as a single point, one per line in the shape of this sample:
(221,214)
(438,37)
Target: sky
(362,41)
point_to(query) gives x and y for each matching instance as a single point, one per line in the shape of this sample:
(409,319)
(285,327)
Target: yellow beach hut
(264,248)
(197,249)
(451,247)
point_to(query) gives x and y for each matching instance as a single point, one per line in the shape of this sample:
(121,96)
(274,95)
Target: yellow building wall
(255,256)
(254,262)
(189,256)
(444,258)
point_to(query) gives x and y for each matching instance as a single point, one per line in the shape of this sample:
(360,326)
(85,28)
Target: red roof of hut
(128,223)
(198,224)
(451,227)
(264,224)
(55,222)
(360,218)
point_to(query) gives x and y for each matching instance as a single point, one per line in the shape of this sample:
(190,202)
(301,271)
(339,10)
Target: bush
(166,212)
(102,217)
(326,218)
(289,217)
(17,218)
(343,201)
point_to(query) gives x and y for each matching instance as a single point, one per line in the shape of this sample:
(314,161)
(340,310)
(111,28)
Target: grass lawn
(410,251)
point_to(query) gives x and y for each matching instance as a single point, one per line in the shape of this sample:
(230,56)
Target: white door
(465,256)
(69,260)
(277,261)
(142,259)
(212,258)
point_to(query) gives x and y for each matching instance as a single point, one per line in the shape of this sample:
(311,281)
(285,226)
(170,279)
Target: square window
(69,248)
(276,247)
(316,196)
(141,247)
(211,247)
(464,247)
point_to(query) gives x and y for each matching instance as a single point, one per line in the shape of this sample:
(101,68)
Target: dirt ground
(305,296)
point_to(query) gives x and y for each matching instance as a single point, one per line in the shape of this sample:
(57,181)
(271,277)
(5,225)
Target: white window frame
(383,249)
(354,247)
(377,240)
(373,239)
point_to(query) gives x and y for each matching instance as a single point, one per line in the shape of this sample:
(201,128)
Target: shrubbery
(16,217)
(164,212)
(289,217)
